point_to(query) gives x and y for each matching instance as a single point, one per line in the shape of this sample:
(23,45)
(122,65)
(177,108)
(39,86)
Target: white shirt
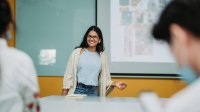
(18,82)
(187,100)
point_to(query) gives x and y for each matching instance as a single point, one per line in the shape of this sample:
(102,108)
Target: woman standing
(87,70)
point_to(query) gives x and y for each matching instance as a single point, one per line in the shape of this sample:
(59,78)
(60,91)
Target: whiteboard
(126,26)
(48,30)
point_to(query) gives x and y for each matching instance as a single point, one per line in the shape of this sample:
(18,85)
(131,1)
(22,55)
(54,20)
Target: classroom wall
(163,87)
(11,42)
(52,85)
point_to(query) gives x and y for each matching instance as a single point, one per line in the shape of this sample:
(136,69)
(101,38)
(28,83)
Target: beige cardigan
(70,79)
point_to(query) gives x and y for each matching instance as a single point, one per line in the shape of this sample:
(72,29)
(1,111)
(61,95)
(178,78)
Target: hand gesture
(120,85)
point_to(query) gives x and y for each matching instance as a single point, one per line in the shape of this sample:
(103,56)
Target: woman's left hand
(120,85)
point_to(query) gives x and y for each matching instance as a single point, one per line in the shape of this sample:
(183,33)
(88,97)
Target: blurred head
(179,26)
(93,38)
(5,17)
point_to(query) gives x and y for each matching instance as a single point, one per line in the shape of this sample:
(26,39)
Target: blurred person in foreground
(18,79)
(179,26)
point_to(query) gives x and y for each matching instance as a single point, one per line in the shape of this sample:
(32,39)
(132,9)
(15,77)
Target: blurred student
(18,82)
(179,26)
(87,70)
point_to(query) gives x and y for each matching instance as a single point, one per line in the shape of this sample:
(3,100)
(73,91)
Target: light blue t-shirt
(88,68)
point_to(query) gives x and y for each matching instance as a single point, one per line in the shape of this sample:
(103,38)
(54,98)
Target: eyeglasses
(92,37)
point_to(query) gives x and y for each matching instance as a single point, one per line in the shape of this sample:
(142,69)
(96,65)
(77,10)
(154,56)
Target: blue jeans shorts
(89,90)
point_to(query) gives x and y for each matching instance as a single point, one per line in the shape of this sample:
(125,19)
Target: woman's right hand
(64,92)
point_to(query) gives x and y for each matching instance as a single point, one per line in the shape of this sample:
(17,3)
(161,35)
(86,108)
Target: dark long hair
(5,16)
(5,20)
(182,12)
(100,46)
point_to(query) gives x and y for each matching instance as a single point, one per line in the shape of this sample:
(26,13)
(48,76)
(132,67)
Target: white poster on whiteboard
(131,25)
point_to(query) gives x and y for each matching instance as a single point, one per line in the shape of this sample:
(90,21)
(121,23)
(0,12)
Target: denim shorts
(89,90)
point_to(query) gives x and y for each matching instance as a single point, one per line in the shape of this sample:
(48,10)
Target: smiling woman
(87,69)
(93,40)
